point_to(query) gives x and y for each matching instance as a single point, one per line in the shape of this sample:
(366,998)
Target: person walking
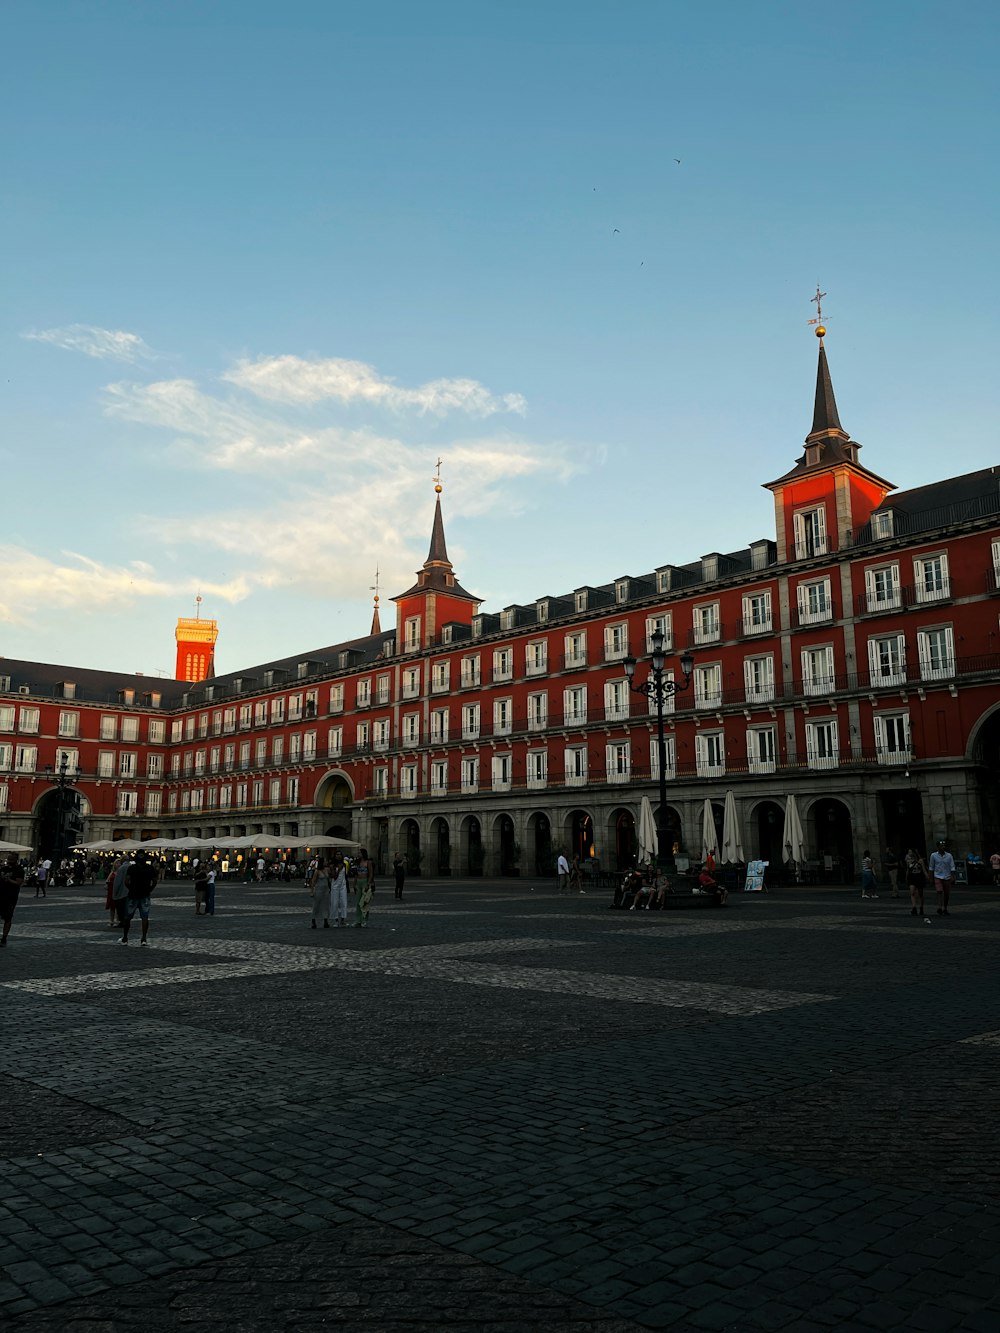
(868,876)
(916,881)
(942,868)
(562,870)
(119,890)
(364,887)
(399,874)
(576,876)
(140,882)
(41,875)
(320,888)
(109,897)
(995,868)
(338,895)
(200,889)
(891,863)
(210,892)
(11,879)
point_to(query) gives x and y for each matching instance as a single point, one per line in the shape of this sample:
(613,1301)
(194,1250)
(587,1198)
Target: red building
(851,659)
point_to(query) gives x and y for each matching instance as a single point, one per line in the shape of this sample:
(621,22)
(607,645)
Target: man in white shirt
(942,868)
(562,870)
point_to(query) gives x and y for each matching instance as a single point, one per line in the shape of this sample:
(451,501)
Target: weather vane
(817,300)
(374,586)
(437,477)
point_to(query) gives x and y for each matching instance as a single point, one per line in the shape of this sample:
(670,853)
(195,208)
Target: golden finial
(373,587)
(437,477)
(818,321)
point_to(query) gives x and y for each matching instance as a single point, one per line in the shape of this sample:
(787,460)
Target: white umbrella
(101,845)
(648,841)
(792,838)
(709,837)
(13,847)
(321,840)
(732,848)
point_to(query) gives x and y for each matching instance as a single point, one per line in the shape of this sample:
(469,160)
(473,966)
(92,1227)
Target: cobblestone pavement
(501,1109)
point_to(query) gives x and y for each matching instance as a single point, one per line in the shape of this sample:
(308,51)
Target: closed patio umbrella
(792,838)
(709,837)
(732,848)
(648,841)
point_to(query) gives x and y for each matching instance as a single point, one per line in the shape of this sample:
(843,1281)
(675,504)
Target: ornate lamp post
(61,777)
(658,689)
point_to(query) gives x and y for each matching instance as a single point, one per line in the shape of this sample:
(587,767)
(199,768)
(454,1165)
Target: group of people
(330,881)
(130,884)
(939,869)
(640,892)
(570,876)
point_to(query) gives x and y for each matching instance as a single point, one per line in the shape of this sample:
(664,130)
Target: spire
(437,574)
(825,410)
(438,553)
(376,627)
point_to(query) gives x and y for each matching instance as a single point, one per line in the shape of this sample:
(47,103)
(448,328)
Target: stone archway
(984,752)
(470,841)
(675,827)
(539,856)
(624,839)
(335,797)
(768,824)
(507,850)
(409,836)
(439,847)
(580,827)
(832,837)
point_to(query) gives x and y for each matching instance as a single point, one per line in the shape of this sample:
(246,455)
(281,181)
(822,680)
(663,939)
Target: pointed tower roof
(376,627)
(825,410)
(437,574)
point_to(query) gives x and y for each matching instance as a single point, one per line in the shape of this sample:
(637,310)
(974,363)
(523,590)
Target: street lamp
(61,777)
(660,690)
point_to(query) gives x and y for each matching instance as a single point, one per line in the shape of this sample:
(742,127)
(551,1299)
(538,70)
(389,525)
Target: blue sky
(263,264)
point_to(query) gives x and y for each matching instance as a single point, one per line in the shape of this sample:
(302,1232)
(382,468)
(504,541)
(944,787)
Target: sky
(263,265)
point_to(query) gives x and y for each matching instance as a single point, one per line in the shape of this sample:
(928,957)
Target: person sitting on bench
(706,884)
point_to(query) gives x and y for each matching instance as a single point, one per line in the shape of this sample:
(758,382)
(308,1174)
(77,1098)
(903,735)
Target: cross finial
(817,300)
(374,586)
(437,477)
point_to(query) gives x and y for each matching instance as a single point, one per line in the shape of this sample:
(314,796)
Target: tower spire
(376,627)
(438,553)
(826,419)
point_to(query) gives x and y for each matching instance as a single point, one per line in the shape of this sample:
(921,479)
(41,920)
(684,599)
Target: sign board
(755,876)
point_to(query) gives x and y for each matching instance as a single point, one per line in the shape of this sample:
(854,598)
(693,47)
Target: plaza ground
(499,1109)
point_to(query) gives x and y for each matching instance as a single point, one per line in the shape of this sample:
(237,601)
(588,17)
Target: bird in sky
(677,160)
(616,232)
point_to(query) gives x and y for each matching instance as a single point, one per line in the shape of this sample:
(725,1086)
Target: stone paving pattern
(499,1109)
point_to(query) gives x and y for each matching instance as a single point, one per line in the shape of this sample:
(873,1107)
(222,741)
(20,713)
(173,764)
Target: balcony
(751,625)
(573,661)
(817,613)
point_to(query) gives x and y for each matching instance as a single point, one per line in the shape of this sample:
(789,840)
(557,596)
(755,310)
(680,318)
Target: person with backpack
(140,881)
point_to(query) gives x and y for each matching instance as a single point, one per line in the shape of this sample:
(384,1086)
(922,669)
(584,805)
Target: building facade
(851,659)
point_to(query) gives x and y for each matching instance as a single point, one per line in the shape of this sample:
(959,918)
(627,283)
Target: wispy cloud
(34,583)
(292,379)
(102,344)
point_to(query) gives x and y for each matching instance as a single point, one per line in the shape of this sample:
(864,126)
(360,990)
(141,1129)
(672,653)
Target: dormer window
(813,452)
(477,627)
(663,580)
(580,600)
(302,670)
(446,634)
(810,533)
(621,591)
(882,524)
(411,633)
(709,567)
(67,689)
(506,620)
(541,612)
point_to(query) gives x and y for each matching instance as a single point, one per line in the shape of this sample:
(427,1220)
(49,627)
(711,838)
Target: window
(503,663)
(380,734)
(128,802)
(503,717)
(334,741)
(229,720)
(241,794)
(189,762)
(229,756)
(4,794)
(882,588)
(203,724)
(213,759)
(892,738)
(362,736)
(439,724)
(618,761)
(293,791)
(294,748)
(440,677)
(7,717)
(157,731)
(411,728)
(821,744)
(758,679)
(294,708)
(538,768)
(309,745)
(411,633)
(707,628)
(382,689)
(225,797)
(576,765)
(380,781)
(175,766)
(615,642)
(337,698)
(470,670)
(176,731)
(670,755)
(501,772)
(470,722)
(25,758)
(109,727)
(580,600)
(106,763)
(217,723)
(616,700)
(188,729)
(6,756)
(411,683)
(936,650)
(708,686)
(72,758)
(275,791)
(669,700)
(996,563)
(259,714)
(710,754)
(154,766)
(882,524)
(197,799)
(211,798)
(621,590)
(259,755)
(541,612)
(815,602)
(127,764)
(470,774)
(575,704)
(277,711)
(507,619)
(28,721)
(817,670)
(760,750)
(538,711)
(576,649)
(665,624)
(757,613)
(154,801)
(809,527)
(172,802)
(887,659)
(244,754)
(363,694)
(69,724)
(930,576)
